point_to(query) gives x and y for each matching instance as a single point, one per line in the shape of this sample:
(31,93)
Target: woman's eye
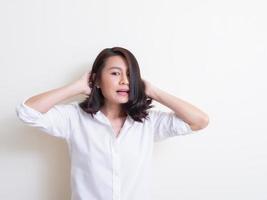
(115,73)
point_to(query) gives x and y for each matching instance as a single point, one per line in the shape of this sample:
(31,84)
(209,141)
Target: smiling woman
(111,134)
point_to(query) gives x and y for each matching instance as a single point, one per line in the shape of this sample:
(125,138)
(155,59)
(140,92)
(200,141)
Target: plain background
(209,53)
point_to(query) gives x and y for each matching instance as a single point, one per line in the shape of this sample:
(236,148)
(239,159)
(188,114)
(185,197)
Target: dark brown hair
(138,103)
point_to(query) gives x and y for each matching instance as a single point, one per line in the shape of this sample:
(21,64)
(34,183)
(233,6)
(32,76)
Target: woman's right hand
(83,83)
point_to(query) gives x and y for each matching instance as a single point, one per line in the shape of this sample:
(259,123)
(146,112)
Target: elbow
(201,124)
(205,122)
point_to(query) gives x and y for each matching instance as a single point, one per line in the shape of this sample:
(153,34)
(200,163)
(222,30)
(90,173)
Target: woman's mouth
(123,93)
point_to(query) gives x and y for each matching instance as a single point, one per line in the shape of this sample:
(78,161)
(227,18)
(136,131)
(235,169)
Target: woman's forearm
(46,100)
(196,118)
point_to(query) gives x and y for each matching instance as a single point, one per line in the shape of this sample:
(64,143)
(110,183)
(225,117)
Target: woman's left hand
(148,88)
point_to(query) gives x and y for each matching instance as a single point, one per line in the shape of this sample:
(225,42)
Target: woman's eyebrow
(115,67)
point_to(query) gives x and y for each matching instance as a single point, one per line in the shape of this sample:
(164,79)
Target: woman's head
(116,79)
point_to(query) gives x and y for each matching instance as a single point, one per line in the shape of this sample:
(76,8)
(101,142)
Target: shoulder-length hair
(138,102)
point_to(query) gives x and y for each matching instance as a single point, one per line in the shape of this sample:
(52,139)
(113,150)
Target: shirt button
(115,148)
(116,173)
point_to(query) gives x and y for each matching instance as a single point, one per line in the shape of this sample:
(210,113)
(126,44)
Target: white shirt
(103,166)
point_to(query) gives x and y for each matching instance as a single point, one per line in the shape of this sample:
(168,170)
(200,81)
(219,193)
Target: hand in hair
(148,88)
(83,83)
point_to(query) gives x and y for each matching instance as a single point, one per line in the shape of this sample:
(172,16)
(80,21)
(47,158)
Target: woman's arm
(44,101)
(193,116)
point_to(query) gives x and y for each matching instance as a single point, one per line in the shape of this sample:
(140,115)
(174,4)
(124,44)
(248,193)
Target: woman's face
(114,81)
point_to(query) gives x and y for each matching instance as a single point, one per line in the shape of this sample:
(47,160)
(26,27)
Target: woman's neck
(113,112)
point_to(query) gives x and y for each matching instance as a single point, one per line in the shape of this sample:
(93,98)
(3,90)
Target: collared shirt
(103,166)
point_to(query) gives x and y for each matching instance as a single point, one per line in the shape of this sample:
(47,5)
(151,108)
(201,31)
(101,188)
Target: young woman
(110,134)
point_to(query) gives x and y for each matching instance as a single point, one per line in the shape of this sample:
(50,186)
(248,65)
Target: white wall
(210,53)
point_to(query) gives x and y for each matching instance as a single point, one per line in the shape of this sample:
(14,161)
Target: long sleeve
(167,124)
(55,122)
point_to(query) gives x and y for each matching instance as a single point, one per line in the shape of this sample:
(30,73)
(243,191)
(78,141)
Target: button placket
(116,170)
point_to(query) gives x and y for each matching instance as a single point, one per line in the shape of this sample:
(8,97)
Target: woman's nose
(124,80)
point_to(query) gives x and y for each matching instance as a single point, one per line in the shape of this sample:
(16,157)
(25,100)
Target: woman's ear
(93,80)
(93,76)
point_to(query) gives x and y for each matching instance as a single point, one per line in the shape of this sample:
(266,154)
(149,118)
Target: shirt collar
(100,116)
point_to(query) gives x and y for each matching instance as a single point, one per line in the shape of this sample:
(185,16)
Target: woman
(110,134)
